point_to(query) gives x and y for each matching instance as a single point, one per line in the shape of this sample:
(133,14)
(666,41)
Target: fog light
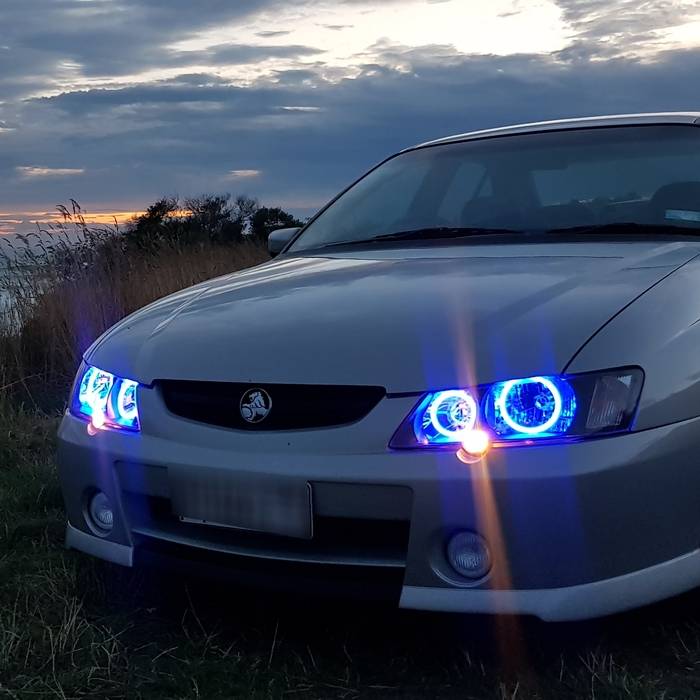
(469,555)
(100,513)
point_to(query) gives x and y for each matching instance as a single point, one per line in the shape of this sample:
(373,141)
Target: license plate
(276,505)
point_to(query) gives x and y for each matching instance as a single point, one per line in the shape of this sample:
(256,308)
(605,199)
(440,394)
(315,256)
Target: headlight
(533,407)
(525,411)
(105,399)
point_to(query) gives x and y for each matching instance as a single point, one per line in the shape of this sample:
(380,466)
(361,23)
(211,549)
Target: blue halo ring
(528,429)
(458,394)
(124,414)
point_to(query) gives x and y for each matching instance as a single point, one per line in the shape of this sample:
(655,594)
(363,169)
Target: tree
(212,218)
(208,218)
(156,225)
(244,209)
(268,219)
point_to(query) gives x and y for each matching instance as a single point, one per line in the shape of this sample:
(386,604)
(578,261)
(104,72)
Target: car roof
(580,123)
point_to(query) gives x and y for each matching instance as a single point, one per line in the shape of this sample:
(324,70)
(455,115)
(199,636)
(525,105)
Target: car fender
(659,332)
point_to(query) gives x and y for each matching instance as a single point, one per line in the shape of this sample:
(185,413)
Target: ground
(73,627)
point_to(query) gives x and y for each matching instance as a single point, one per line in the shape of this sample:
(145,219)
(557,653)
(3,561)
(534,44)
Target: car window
(381,203)
(470,181)
(533,182)
(620,180)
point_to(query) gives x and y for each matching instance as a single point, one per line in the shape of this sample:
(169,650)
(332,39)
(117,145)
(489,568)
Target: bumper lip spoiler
(98,547)
(580,602)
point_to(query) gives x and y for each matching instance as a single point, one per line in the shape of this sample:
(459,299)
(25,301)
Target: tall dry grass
(64,286)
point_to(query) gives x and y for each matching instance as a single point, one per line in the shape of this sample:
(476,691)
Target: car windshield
(591,180)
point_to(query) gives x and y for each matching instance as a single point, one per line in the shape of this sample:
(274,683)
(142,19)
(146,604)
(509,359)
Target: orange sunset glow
(25,222)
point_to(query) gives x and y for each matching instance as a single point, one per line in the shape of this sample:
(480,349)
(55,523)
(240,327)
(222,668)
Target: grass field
(73,627)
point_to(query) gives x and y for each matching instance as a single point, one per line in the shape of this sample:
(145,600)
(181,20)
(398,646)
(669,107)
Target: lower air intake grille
(285,406)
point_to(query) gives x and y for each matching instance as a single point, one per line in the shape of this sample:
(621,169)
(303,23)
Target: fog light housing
(468,554)
(100,514)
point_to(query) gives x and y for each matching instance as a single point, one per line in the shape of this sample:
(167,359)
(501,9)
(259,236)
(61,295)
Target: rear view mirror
(277,240)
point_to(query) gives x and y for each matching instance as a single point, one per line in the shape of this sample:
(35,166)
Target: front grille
(292,406)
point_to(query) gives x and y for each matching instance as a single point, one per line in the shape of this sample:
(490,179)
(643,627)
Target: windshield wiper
(428,233)
(447,232)
(626,227)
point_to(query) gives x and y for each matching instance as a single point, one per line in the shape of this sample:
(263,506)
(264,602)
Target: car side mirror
(277,240)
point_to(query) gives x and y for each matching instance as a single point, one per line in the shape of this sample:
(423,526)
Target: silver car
(474,376)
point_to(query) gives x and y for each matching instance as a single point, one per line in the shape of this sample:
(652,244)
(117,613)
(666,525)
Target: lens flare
(98,420)
(476,442)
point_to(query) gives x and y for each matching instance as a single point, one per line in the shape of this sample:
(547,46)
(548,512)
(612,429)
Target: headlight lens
(525,411)
(105,399)
(445,417)
(533,407)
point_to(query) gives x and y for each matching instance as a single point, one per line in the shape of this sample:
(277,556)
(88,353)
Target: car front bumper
(575,530)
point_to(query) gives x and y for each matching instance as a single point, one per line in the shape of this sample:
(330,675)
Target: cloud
(110,87)
(181,135)
(300,108)
(272,34)
(602,28)
(34,172)
(46,42)
(243,174)
(246,53)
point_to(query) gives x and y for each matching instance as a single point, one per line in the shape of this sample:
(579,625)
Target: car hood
(408,319)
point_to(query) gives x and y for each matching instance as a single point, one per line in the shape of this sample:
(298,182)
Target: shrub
(206,219)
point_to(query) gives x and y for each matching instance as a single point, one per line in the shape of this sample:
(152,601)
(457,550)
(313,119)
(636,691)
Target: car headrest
(677,203)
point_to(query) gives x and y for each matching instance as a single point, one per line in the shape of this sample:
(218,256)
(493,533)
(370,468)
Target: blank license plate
(276,505)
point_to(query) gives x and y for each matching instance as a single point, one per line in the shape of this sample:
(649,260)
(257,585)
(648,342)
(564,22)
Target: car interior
(676,204)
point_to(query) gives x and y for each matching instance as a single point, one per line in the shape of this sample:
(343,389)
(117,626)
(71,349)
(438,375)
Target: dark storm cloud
(177,92)
(104,37)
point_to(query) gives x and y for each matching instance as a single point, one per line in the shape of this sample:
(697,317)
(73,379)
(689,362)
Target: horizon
(290,101)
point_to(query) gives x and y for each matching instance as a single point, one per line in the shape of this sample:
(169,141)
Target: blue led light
(107,400)
(521,412)
(126,407)
(95,387)
(535,407)
(444,417)
(530,406)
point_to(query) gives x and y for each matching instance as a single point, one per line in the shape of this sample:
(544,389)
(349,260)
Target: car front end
(561,531)
(494,426)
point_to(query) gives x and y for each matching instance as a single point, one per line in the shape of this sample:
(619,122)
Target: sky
(115,103)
